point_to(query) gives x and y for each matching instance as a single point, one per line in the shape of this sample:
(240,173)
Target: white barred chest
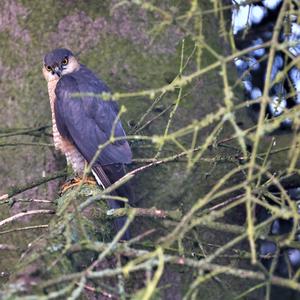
(72,155)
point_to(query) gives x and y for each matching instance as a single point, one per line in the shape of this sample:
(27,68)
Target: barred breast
(72,155)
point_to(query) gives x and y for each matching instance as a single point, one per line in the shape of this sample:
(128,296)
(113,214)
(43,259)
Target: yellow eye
(64,61)
(48,68)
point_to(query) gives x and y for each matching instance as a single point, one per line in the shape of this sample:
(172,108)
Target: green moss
(132,66)
(43,18)
(9,56)
(92,8)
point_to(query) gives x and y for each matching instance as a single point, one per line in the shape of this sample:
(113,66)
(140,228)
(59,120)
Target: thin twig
(25,214)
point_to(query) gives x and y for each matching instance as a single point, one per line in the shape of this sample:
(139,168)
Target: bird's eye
(64,61)
(48,68)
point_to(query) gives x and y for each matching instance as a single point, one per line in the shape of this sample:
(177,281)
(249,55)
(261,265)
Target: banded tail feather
(106,176)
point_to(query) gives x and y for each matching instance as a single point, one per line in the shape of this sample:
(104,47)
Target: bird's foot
(76,181)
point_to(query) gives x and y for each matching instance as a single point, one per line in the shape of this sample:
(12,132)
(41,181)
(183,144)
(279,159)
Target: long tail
(106,176)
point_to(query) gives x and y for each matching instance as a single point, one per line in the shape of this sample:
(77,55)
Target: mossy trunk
(131,49)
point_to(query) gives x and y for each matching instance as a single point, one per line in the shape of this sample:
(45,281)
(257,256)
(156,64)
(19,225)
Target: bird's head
(59,62)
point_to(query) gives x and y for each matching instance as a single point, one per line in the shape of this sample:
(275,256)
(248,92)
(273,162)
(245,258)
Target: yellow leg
(75,182)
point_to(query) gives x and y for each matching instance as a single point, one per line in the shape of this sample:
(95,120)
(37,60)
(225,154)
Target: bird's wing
(88,121)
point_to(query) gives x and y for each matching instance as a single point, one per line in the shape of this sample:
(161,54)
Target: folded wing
(88,122)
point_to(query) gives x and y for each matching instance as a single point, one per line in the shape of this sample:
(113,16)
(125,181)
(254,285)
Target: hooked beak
(57,70)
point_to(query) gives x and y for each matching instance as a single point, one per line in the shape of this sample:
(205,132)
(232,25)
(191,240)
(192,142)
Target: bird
(82,121)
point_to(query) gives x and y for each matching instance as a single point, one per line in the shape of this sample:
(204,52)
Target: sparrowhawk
(82,121)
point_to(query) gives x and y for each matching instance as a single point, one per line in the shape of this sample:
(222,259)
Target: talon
(75,182)
(90,180)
